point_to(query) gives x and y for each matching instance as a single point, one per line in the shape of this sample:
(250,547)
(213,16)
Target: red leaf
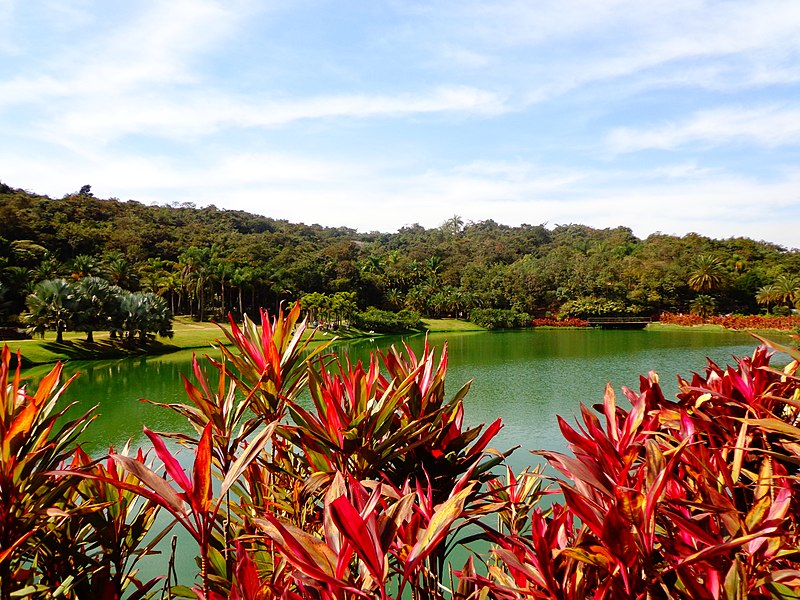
(200,495)
(170,462)
(363,538)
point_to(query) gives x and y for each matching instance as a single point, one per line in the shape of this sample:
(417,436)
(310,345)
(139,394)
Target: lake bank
(189,334)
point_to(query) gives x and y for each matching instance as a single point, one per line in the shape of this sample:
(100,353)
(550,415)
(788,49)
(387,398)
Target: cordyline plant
(364,491)
(59,534)
(692,498)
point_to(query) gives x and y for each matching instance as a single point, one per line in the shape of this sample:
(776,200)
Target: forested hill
(233,260)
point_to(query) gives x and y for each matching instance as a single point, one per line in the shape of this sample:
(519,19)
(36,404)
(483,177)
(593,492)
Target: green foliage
(703,306)
(384,321)
(707,273)
(52,305)
(93,304)
(209,262)
(500,318)
(331,308)
(586,307)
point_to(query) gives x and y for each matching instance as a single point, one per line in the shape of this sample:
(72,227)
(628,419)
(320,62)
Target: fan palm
(52,305)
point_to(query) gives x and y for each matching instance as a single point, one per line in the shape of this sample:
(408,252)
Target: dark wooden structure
(620,322)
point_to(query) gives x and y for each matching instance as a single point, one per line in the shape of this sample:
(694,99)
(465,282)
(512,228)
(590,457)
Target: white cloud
(195,114)
(563,45)
(769,126)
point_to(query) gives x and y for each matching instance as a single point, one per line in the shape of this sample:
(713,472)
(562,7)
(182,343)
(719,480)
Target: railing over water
(620,322)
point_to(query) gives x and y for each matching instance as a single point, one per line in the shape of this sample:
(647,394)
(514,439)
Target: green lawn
(188,334)
(672,327)
(450,325)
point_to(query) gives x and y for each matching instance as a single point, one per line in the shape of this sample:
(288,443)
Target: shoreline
(192,335)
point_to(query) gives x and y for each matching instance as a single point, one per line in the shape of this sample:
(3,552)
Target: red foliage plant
(365,492)
(738,322)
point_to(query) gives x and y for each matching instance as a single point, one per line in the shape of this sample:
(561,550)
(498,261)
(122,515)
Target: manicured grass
(188,334)
(770,333)
(450,325)
(673,327)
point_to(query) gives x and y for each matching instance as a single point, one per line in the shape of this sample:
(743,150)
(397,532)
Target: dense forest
(207,262)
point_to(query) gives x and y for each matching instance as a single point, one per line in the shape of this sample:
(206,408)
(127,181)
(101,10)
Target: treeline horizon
(208,261)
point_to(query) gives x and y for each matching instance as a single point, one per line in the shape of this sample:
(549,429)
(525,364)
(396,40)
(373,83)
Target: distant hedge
(385,321)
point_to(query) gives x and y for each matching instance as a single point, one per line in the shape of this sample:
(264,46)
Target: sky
(672,116)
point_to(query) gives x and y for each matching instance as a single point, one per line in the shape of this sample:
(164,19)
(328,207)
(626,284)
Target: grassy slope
(671,327)
(45,350)
(187,334)
(450,325)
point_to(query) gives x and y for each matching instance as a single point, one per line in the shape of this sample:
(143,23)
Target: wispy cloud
(563,46)
(769,126)
(189,115)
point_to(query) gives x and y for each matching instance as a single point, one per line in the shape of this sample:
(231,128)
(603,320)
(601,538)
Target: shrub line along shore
(189,335)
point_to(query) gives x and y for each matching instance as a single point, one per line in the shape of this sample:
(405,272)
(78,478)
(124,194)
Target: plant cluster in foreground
(366,491)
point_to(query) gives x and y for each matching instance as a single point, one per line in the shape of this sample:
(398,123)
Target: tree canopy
(207,262)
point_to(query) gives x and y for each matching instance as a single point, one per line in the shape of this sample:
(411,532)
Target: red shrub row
(735,321)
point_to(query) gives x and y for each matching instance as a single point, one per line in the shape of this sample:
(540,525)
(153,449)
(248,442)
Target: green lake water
(524,377)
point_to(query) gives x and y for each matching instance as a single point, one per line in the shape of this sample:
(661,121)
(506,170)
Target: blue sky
(677,116)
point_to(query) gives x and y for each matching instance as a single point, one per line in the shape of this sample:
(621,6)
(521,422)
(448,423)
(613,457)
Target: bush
(591,306)
(738,322)
(499,318)
(385,321)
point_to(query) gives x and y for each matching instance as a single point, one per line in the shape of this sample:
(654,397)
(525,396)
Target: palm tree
(84,265)
(787,289)
(197,271)
(373,264)
(434,265)
(48,268)
(142,313)
(394,298)
(767,295)
(51,306)
(703,306)
(453,225)
(94,296)
(19,283)
(707,274)
(119,271)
